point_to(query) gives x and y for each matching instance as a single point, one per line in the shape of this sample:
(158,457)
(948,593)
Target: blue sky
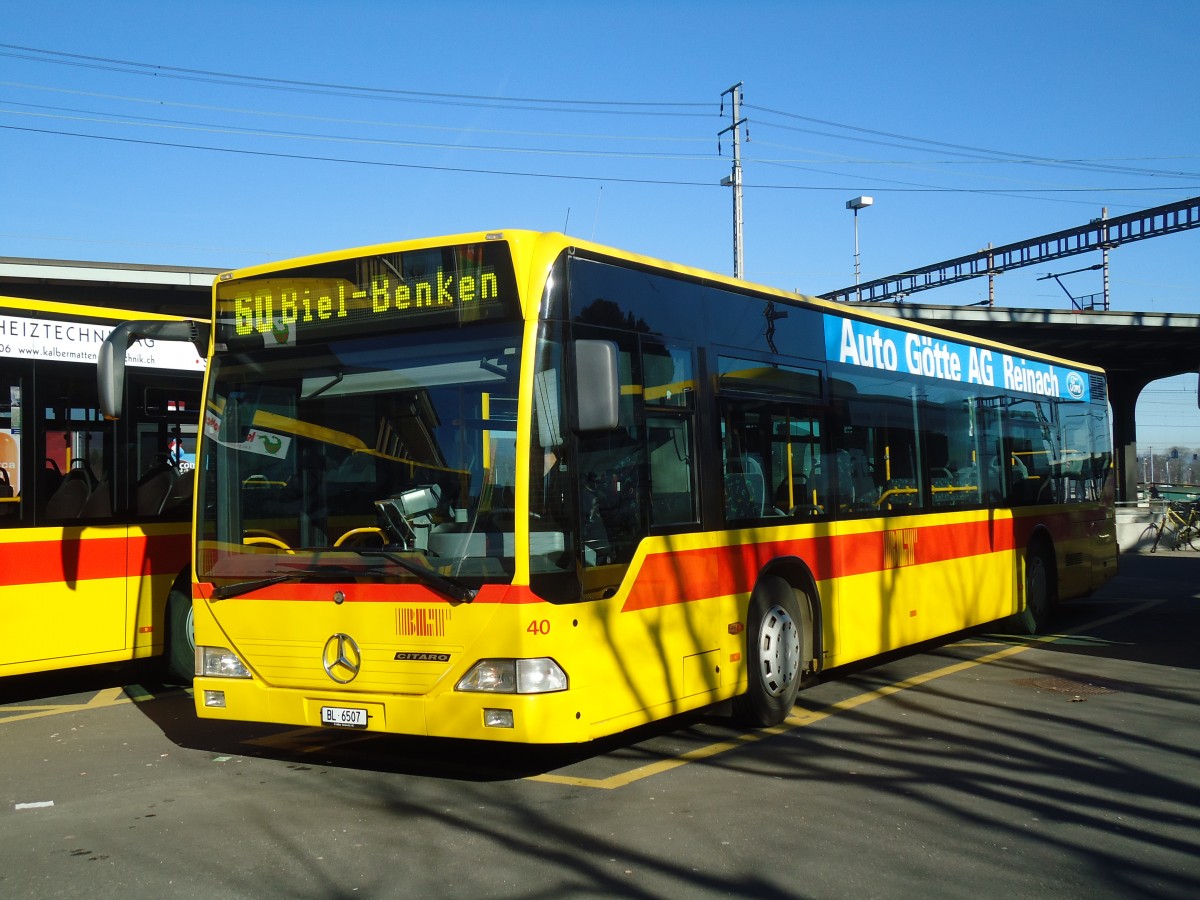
(229,133)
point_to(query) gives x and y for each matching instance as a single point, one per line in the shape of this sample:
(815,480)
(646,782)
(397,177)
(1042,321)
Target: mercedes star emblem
(342,658)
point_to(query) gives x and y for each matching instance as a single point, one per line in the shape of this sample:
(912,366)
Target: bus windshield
(318,456)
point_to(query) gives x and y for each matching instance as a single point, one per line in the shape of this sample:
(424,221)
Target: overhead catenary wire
(964,154)
(406,124)
(829,158)
(655,107)
(558,175)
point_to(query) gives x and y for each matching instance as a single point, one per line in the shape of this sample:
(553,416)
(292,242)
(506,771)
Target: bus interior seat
(834,473)
(745,489)
(6,493)
(795,495)
(68,499)
(862,482)
(98,504)
(49,478)
(154,487)
(180,493)
(820,486)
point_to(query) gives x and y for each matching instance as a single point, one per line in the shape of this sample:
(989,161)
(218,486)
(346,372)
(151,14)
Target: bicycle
(1181,521)
(1188,533)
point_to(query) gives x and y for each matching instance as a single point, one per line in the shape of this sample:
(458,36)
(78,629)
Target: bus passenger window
(72,459)
(10,451)
(951,434)
(669,399)
(165,463)
(773,461)
(744,480)
(672,495)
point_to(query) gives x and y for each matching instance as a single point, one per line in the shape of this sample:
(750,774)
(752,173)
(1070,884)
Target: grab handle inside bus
(597,385)
(110,363)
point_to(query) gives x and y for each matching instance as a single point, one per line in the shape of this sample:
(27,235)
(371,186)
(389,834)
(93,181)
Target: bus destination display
(282,309)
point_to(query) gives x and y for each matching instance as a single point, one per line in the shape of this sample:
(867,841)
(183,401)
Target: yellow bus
(520,487)
(94,515)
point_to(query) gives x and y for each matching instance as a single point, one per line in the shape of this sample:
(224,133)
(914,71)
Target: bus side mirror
(110,361)
(597,385)
(110,376)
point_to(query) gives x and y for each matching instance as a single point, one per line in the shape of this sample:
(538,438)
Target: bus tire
(1040,591)
(778,638)
(180,654)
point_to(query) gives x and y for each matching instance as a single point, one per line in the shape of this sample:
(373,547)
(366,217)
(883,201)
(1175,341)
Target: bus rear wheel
(777,641)
(1040,595)
(181,636)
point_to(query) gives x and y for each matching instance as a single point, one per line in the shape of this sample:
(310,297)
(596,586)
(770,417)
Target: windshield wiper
(440,583)
(225,591)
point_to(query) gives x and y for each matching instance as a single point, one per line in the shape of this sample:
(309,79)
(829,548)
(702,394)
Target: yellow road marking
(107,697)
(799,718)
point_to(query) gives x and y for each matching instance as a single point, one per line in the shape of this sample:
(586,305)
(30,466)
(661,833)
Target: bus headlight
(217,662)
(514,676)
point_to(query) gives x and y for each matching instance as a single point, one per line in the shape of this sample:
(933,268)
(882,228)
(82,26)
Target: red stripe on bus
(88,559)
(682,576)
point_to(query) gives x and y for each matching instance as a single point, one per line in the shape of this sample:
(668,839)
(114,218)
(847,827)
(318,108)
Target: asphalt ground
(983,766)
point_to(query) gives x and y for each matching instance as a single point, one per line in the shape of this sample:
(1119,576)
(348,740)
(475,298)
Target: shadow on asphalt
(475,761)
(63,685)
(1161,634)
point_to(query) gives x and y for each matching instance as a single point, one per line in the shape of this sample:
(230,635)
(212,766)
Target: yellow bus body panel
(86,595)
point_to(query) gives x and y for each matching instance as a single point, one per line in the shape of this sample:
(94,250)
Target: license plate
(344,716)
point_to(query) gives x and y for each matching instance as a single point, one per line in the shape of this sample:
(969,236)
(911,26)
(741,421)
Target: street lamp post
(856,204)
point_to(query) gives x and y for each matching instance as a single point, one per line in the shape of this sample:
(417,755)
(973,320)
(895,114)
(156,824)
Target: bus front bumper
(552,718)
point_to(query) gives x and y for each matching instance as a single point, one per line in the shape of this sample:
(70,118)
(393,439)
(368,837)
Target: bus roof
(534,250)
(77,310)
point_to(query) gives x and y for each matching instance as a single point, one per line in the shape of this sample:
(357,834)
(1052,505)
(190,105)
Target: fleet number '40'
(539,626)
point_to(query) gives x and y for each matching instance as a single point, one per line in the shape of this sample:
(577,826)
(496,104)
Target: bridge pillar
(1123,394)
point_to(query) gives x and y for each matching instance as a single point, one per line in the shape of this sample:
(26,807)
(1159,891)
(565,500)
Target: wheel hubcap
(779,650)
(189,629)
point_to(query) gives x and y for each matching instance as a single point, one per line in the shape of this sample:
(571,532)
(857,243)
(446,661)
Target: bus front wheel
(777,642)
